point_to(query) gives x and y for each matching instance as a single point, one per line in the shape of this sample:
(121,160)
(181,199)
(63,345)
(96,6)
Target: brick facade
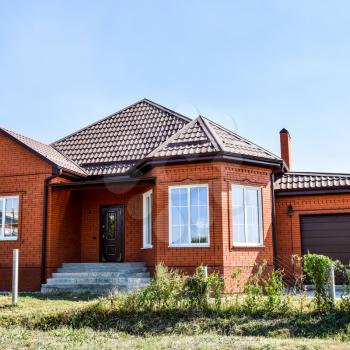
(73,218)
(288,225)
(23,174)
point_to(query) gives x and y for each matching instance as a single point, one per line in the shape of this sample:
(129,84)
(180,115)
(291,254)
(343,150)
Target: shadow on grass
(189,322)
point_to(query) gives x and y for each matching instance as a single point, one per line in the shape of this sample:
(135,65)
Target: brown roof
(112,145)
(202,136)
(299,181)
(45,152)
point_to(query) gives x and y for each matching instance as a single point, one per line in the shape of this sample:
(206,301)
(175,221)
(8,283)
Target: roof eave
(149,163)
(314,191)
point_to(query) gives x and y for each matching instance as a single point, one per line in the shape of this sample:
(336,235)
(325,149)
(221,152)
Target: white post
(205,269)
(15,276)
(331,282)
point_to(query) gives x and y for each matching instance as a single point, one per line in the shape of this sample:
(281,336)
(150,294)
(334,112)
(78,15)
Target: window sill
(189,246)
(147,247)
(8,239)
(248,246)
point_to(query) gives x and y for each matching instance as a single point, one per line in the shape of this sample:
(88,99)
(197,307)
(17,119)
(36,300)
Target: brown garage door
(328,235)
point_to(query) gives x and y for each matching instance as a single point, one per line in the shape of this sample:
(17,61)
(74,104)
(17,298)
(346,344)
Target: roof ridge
(156,105)
(171,138)
(241,138)
(216,138)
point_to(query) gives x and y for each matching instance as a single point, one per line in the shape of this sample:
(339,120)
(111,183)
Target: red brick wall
(288,226)
(63,228)
(128,195)
(23,174)
(221,255)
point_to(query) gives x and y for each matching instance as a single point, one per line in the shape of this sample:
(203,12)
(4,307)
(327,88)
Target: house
(149,185)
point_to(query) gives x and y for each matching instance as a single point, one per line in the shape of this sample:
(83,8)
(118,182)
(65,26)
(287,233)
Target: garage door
(328,235)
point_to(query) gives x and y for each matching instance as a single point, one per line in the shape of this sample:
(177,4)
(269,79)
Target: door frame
(122,206)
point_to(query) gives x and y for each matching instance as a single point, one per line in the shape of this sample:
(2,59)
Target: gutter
(273,214)
(56,172)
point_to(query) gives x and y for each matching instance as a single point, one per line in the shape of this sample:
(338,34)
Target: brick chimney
(286,147)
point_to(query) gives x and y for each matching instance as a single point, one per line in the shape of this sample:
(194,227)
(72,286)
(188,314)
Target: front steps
(97,278)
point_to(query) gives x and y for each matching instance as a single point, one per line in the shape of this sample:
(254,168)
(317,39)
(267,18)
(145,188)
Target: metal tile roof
(298,181)
(203,136)
(109,146)
(47,152)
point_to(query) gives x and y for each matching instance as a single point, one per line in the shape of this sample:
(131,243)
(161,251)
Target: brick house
(147,184)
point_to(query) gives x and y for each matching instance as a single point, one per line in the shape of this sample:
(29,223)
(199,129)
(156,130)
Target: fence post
(15,276)
(205,269)
(331,282)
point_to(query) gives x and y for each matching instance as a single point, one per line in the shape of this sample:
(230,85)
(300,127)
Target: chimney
(286,147)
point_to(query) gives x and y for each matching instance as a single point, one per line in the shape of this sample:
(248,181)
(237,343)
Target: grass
(62,322)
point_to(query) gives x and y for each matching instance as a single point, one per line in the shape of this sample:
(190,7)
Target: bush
(253,289)
(274,290)
(316,268)
(198,288)
(164,292)
(217,285)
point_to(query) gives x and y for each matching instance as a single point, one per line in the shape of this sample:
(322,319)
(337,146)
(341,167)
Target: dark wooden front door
(112,233)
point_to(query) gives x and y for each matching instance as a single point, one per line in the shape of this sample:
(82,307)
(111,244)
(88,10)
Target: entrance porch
(94,236)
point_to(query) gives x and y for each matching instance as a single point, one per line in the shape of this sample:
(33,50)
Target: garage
(328,235)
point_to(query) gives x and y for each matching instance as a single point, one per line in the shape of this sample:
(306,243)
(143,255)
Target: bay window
(189,215)
(246,216)
(9,218)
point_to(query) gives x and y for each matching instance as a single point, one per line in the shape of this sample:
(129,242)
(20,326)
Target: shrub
(253,289)
(217,284)
(345,298)
(198,288)
(274,290)
(316,268)
(165,290)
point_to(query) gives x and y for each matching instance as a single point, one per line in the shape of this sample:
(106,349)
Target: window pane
(199,215)
(111,225)
(253,234)
(238,215)
(179,215)
(11,218)
(238,233)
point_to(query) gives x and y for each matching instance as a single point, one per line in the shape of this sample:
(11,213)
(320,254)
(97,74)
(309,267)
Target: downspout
(273,213)
(56,172)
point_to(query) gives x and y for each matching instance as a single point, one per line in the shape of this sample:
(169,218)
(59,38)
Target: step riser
(100,275)
(97,278)
(102,269)
(117,281)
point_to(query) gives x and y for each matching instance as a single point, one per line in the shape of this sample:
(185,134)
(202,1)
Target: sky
(253,66)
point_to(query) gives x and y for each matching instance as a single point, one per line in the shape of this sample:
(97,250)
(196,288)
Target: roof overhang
(100,183)
(146,164)
(312,191)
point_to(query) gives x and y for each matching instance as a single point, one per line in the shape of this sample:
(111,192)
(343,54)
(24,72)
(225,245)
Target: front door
(112,233)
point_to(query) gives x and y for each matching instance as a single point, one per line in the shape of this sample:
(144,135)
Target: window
(189,215)
(247,219)
(147,219)
(8,218)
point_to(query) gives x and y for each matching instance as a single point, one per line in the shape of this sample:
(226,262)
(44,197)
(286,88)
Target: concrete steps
(97,278)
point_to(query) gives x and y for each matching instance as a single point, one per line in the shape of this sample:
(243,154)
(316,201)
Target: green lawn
(66,323)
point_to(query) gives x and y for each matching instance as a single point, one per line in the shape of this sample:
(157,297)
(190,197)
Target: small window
(247,216)
(147,219)
(9,218)
(189,215)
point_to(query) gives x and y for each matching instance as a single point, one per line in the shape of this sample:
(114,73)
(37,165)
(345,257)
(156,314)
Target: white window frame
(189,245)
(260,224)
(147,225)
(2,230)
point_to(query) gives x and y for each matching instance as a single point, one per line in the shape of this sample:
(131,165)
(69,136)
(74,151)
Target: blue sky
(253,66)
